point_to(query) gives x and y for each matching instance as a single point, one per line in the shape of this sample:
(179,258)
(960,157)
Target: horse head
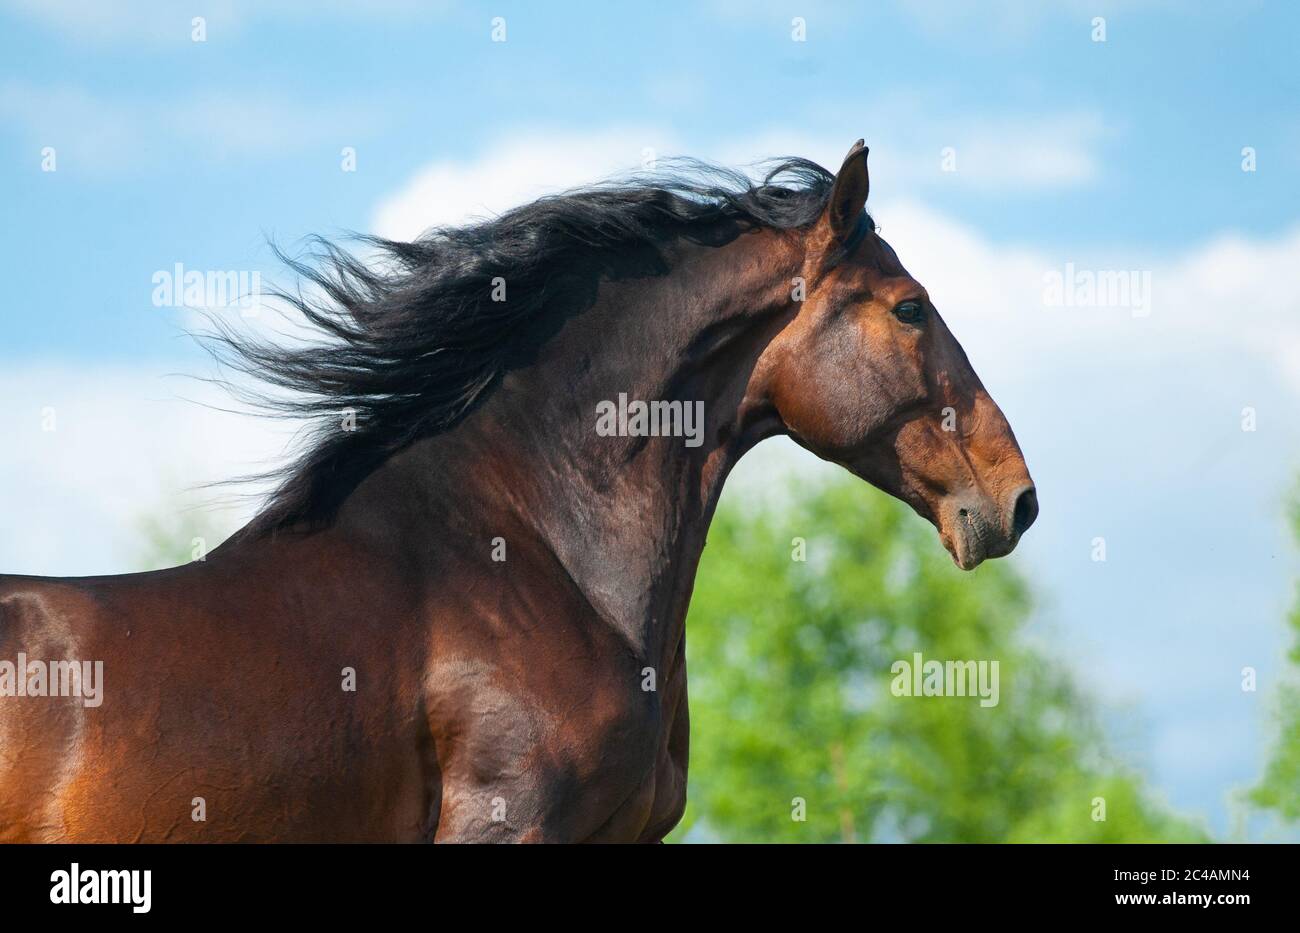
(866,374)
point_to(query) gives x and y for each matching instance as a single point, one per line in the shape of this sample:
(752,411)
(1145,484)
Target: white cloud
(1019,153)
(1232,294)
(515,170)
(127,442)
(1238,290)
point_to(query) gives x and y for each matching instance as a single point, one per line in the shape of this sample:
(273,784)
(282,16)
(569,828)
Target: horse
(460,616)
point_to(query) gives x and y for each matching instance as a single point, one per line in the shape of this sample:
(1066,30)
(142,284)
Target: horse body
(224,682)
(508,595)
(214,691)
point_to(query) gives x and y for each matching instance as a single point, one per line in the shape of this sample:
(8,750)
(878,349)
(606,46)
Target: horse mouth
(963,555)
(971,540)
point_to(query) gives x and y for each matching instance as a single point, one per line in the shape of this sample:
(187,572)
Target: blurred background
(1022,155)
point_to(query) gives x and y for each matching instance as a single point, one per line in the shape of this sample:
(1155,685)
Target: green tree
(790,672)
(1279,789)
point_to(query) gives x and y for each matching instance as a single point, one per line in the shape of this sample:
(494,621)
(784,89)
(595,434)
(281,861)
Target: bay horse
(460,616)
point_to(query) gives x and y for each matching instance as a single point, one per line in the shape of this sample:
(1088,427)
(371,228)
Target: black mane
(413,341)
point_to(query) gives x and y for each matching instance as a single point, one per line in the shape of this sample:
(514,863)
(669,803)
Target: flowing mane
(411,340)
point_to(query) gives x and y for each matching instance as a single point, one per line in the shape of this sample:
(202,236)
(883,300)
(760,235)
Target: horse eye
(909,312)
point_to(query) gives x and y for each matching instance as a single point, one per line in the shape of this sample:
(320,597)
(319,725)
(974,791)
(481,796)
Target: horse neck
(626,516)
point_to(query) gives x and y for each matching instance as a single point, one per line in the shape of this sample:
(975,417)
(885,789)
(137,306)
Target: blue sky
(1123,154)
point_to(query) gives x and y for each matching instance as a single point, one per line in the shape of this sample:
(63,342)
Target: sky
(1013,146)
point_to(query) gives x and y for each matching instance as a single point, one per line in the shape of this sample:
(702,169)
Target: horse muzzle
(975,528)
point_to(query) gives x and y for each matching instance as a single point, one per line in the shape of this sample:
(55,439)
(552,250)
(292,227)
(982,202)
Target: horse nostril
(1026,510)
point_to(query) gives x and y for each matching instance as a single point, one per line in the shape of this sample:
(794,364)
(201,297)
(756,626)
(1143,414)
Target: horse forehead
(875,260)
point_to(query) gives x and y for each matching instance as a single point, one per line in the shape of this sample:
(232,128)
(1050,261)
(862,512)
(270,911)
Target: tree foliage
(1279,789)
(790,671)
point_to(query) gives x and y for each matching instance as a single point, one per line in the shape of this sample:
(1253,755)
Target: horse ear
(849,194)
